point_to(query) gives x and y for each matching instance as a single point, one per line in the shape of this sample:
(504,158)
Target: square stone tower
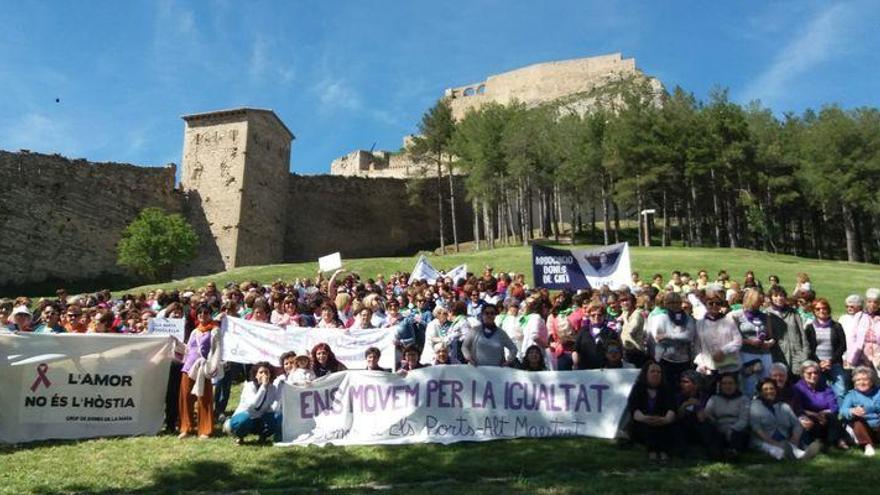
(235,170)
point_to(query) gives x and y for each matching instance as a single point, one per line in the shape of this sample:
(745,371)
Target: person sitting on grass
(728,413)
(652,406)
(693,430)
(254,412)
(861,409)
(816,407)
(776,430)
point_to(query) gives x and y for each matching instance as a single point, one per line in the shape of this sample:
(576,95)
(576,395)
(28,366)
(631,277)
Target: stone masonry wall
(540,83)
(62,219)
(213,175)
(363,217)
(261,232)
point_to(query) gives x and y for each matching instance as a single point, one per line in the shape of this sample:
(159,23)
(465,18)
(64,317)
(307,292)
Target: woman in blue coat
(861,409)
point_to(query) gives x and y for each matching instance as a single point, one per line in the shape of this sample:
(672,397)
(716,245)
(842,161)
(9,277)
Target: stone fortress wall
(533,85)
(364,217)
(61,219)
(383,164)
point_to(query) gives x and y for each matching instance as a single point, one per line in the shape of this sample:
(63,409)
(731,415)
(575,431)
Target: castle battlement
(540,83)
(532,85)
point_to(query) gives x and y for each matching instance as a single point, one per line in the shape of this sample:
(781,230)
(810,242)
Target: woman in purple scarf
(827,345)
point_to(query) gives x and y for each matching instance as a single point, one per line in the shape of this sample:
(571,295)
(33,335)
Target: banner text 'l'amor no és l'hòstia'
(76,386)
(447,404)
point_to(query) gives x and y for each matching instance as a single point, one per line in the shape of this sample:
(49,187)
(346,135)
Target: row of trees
(716,172)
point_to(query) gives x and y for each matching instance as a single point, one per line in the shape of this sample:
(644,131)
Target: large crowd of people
(726,365)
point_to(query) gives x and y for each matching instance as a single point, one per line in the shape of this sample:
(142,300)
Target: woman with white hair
(862,329)
(861,409)
(816,407)
(437,332)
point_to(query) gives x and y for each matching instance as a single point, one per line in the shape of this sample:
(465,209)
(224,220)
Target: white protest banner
(457,273)
(174,327)
(424,270)
(330,263)
(246,341)
(555,268)
(447,404)
(76,386)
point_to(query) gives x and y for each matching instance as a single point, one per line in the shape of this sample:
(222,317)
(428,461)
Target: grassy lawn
(551,466)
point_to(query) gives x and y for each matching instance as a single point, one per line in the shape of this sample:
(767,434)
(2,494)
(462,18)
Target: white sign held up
(331,262)
(174,327)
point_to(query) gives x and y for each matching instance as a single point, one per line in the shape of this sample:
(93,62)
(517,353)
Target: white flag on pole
(458,273)
(424,271)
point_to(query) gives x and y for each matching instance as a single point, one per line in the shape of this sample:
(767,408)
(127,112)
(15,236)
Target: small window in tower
(481,89)
(469,92)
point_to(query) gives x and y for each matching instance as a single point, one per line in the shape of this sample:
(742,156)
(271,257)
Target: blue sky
(345,74)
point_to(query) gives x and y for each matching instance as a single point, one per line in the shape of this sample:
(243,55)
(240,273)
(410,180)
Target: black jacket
(838,342)
(591,352)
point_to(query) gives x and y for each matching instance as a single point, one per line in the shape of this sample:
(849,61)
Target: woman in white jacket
(534,327)
(717,341)
(254,413)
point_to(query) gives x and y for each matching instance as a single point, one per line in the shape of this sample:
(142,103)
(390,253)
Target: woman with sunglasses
(827,345)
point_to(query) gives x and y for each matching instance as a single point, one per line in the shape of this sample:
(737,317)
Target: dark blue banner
(557,269)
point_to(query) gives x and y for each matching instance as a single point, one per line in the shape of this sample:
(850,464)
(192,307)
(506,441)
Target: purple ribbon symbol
(42,368)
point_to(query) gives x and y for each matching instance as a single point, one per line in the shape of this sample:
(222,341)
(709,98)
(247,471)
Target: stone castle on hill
(61,219)
(548,82)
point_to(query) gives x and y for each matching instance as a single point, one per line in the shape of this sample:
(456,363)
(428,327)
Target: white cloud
(259,59)
(336,94)
(824,37)
(178,47)
(263,64)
